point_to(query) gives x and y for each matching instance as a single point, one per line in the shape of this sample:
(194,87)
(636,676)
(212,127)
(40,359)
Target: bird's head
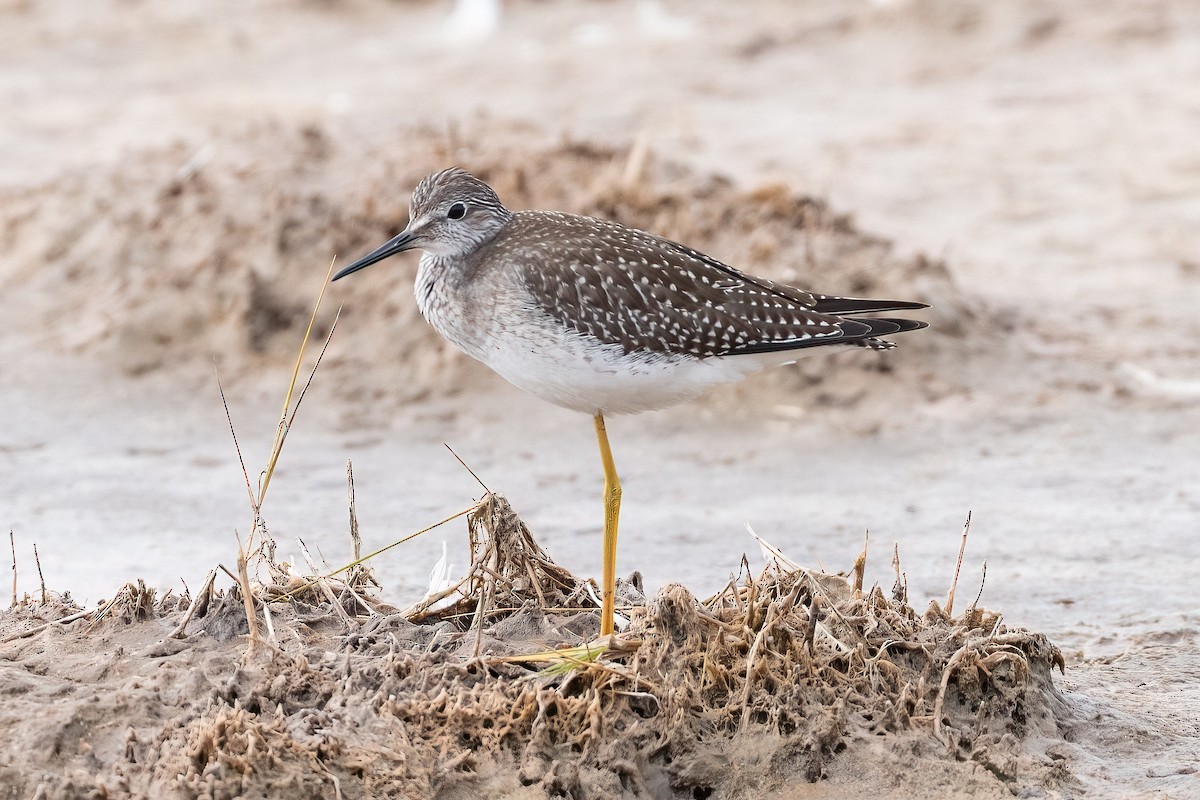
(451,214)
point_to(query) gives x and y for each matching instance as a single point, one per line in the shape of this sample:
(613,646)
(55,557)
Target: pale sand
(1046,153)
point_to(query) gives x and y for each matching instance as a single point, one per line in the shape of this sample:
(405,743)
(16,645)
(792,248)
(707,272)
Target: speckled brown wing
(648,294)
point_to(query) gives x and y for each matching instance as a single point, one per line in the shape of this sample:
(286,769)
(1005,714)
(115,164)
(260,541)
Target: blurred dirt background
(176,178)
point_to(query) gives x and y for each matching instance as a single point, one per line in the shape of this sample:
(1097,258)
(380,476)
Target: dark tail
(847,306)
(857,332)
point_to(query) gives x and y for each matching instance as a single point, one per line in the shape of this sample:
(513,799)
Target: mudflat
(178,180)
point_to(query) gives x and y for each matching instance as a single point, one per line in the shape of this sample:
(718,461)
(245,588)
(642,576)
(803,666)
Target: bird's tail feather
(845,306)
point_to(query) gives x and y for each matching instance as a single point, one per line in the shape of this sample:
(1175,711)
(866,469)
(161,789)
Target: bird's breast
(463,311)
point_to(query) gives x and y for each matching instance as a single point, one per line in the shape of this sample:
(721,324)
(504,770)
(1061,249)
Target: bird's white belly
(576,372)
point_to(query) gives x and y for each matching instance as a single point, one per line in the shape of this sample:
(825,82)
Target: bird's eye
(457,211)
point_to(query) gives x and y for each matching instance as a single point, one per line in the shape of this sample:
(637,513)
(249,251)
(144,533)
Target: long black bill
(399,244)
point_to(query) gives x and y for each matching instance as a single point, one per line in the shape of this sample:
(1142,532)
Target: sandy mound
(789,677)
(178,255)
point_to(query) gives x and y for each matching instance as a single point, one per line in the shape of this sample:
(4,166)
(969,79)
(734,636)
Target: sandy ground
(176,180)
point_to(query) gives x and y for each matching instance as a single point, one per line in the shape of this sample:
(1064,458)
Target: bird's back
(646,294)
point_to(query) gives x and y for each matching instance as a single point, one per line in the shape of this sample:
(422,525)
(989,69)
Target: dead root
(509,571)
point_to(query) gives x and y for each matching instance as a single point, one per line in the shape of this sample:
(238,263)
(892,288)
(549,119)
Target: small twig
(717,600)
(819,589)
(957,567)
(243,580)
(322,583)
(266,607)
(486,592)
(751,657)
(236,446)
(12,543)
(33,631)
(313,373)
(324,769)
(371,612)
(201,602)
(837,643)
(324,560)
(468,469)
(421,607)
(285,421)
(708,616)
(739,602)
(975,603)
(102,612)
(782,562)
(42,580)
(900,589)
(355,537)
(752,596)
(860,565)
(495,574)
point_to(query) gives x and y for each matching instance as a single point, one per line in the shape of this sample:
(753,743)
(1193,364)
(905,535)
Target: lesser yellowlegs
(597,317)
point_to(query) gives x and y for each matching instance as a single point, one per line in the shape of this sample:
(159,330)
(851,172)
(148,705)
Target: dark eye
(456,211)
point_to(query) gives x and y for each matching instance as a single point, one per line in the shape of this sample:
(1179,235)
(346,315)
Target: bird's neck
(443,296)
(435,279)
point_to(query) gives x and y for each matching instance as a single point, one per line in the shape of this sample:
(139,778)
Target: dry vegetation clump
(773,680)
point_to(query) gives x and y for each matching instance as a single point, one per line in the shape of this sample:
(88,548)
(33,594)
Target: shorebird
(598,317)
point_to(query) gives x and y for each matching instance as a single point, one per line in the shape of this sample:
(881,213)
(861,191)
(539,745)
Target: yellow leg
(612,510)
